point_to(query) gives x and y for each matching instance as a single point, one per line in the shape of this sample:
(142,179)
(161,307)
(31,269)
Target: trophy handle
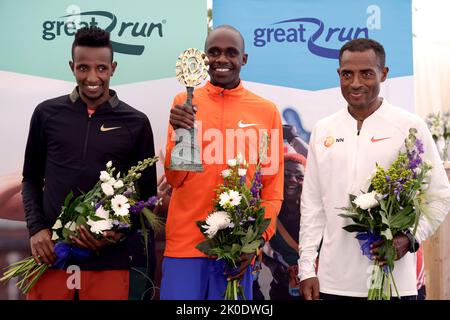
(186,153)
(190,96)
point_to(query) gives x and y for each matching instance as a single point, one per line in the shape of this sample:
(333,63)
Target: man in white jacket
(343,151)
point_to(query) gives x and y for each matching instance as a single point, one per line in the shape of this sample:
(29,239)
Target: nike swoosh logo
(245,125)
(104,129)
(380,139)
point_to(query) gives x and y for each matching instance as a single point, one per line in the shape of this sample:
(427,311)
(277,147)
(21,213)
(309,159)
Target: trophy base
(194,167)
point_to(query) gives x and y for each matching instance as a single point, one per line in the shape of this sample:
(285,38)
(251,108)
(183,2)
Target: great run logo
(67,25)
(313,30)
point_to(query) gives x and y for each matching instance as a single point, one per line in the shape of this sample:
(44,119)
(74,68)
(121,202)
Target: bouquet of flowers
(236,225)
(108,206)
(393,204)
(439,125)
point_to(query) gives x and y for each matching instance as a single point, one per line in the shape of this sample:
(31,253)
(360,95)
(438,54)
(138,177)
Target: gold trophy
(191,70)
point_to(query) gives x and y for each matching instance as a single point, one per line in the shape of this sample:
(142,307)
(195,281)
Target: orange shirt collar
(212,89)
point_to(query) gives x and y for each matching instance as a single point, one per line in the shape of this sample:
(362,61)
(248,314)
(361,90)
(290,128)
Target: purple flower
(419,146)
(256,184)
(128,193)
(140,205)
(414,155)
(98,204)
(120,225)
(137,207)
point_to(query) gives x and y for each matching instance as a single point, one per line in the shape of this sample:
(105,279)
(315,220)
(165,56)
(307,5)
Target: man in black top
(71,139)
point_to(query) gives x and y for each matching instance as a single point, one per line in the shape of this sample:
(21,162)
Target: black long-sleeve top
(67,149)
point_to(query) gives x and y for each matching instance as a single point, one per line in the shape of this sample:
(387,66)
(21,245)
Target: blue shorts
(198,279)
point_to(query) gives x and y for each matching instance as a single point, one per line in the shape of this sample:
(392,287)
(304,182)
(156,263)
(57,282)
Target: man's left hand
(401,245)
(87,240)
(245,260)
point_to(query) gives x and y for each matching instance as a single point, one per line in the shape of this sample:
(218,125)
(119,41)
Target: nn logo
(330,140)
(69,24)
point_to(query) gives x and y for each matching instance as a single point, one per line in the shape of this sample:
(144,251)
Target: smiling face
(360,77)
(293,180)
(225,51)
(93,68)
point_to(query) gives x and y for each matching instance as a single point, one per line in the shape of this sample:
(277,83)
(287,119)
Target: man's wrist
(413,243)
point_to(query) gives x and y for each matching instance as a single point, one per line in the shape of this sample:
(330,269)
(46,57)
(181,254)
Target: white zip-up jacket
(341,162)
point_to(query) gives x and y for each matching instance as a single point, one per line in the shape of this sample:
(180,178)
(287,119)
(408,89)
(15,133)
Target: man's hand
(87,240)
(182,117)
(310,288)
(401,245)
(42,247)
(245,260)
(164,192)
(289,132)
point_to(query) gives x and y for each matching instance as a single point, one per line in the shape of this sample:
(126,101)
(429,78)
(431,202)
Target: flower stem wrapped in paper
(236,225)
(393,204)
(108,206)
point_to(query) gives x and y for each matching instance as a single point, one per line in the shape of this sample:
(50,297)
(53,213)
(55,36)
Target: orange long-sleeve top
(229,122)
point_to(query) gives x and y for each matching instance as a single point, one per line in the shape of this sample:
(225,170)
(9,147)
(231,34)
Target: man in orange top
(230,119)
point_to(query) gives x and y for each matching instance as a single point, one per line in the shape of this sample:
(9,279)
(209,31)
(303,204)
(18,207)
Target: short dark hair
(228,27)
(364,44)
(92,37)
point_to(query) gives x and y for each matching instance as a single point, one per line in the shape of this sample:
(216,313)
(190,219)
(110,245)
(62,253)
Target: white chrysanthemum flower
(99,226)
(111,181)
(102,213)
(55,236)
(232,162)
(217,221)
(57,225)
(104,176)
(242,172)
(107,189)
(118,184)
(71,225)
(226,173)
(120,205)
(235,197)
(109,164)
(367,200)
(224,199)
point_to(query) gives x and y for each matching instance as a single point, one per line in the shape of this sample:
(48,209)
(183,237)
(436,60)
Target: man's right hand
(182,117)
(42,247)
(310,288)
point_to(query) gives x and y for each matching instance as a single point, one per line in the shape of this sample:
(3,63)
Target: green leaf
(205,246)
(263,226)
(235,249)
(155,222)
(66,233)
(250,247)
(403,219)
(67,199)
(81,220)
(355,228)
(387,234)
(384,219)
(249,236)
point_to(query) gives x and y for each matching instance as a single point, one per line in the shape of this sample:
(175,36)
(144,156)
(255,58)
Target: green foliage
(238,222)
